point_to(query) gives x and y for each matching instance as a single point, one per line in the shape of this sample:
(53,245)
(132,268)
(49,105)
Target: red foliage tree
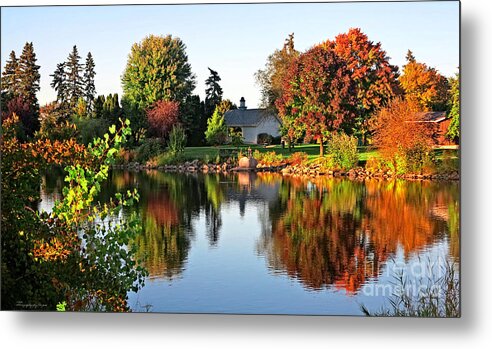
(162,116)
(374,77)
(20,107)
(318,92)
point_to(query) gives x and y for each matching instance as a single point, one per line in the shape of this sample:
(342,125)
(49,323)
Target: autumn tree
(157,70)
(89,86)
(400,134)
(213,92)
(271,77)
(75,85)
(317,94)
(423,85)
(161,117)
(375,79)
(454,109)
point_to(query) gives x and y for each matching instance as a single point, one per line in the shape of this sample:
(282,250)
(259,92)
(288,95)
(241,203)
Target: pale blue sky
(234,39)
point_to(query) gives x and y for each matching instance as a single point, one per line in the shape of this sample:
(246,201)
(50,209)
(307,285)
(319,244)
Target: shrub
(216,133)
(90,129)
(177,140)
(269,158)
(402,138)
(162,116)
(277,140)
(342,150)
(298,158)
(236,137)
(151,147)
(377,164)
(447,163)
(125,156)
(264,138)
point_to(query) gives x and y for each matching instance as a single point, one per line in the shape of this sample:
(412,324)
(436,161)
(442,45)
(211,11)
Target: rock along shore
(313,170)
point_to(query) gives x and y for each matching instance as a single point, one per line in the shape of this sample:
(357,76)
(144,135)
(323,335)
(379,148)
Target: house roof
(247,117)
(432,116)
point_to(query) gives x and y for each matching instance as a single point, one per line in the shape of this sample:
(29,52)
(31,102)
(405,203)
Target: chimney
(242,103)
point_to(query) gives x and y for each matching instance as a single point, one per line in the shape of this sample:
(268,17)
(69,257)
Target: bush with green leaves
(216,133)
(342,151)
(236,137)
(177,140)
(264,138)
(88,129)
(150,148)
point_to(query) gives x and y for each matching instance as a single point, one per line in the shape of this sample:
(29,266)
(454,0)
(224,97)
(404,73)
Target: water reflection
(337,232)
(324,233)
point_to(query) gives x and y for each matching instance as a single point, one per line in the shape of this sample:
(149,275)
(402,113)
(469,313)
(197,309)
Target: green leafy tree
(213,92)
(270,79)
(75,83)
(89,86)
(216,132)
(72,256)
(454,110)
(157,69)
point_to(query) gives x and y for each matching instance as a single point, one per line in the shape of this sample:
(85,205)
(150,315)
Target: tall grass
(438,296)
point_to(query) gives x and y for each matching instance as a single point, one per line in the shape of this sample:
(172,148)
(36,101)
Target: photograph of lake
(268,158)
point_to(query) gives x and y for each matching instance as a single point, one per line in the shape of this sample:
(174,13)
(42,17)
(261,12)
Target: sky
(233,39)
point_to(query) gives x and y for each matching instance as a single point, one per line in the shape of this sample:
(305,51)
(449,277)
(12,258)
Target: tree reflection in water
(338,232)
(324,232)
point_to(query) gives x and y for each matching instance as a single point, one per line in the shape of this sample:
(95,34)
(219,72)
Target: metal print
(281,158)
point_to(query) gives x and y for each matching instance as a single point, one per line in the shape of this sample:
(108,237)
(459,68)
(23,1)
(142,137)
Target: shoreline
(303,171)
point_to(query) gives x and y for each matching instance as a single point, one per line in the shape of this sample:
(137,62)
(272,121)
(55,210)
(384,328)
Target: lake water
(267,244)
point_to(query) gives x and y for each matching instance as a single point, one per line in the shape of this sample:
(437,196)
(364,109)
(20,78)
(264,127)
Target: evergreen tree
(29,76)
(89,86)
(59,84)
(216,132)
(10,76)
(73,78)
(213,92)
(192,117)
(99,106)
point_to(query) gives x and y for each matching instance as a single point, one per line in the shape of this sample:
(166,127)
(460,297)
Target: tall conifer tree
(10,76)
(89,86)
(74,78)
(29,76)
(59,83)
(213,92)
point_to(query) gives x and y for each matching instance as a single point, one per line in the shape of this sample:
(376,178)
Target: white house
(252,122)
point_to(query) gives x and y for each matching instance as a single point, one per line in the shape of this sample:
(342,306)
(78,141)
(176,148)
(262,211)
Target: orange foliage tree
(399,131)
(423,85)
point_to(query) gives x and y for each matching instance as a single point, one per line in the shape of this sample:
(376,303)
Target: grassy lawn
(311,149)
